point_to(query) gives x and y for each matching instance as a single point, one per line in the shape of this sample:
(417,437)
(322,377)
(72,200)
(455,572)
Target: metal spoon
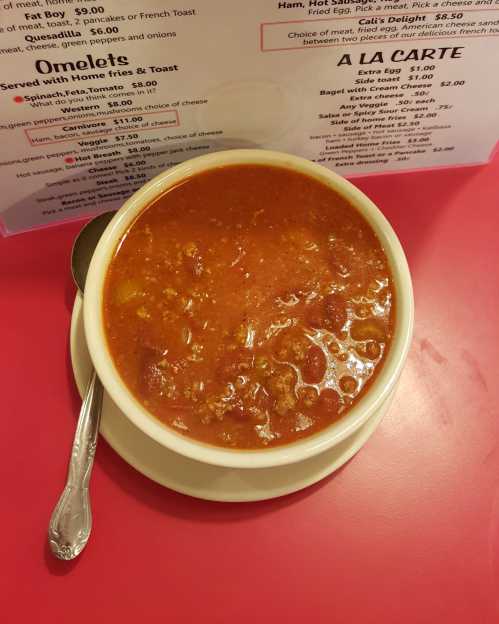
(71,520)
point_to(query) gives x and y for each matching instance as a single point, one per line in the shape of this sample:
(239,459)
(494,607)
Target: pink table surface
(406,532)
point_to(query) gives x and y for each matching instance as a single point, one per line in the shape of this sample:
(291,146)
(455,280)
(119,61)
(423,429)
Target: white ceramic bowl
(297,451)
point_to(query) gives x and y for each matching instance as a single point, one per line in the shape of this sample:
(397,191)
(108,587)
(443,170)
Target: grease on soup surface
(248,307)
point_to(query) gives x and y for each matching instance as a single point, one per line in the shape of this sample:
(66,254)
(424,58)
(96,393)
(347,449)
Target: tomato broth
(249,306)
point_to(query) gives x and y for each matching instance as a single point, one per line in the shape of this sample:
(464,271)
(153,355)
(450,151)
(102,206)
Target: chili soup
(249,306)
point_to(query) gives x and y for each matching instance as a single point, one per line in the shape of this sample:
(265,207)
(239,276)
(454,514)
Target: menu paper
(99,96)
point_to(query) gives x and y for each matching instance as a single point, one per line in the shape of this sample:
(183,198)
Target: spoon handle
(71,520)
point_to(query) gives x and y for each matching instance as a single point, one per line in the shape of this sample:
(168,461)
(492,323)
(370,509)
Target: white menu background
(98,96)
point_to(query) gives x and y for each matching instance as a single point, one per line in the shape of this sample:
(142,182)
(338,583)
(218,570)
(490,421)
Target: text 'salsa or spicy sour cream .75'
(249,306)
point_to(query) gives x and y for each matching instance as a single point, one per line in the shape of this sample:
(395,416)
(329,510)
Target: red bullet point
(18,99)
(69,160)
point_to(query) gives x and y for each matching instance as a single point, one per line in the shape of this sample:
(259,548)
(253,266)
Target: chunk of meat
(292,346)
(234,363)
(281,387)
(282,381)
(308,396)
(156,377)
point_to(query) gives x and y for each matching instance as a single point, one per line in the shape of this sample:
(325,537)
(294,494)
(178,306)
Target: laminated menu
(98,96)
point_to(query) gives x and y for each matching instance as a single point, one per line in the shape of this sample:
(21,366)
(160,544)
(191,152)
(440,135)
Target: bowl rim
(240,458)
